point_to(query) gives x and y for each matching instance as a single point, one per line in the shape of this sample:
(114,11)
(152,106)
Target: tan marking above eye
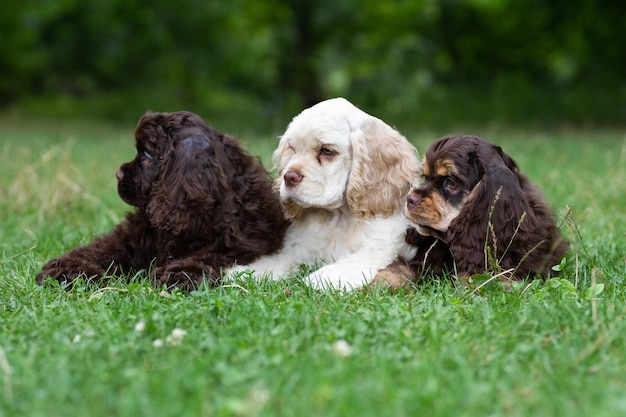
(446,167)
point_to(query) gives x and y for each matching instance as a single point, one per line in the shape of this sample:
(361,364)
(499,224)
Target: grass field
(280,349)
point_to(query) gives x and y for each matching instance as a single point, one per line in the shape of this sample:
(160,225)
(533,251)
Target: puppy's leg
(187,273)
(344,275)
(272,267)
(77,263)
(397,275)
(128,247)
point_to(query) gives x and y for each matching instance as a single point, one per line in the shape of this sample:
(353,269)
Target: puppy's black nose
(413,199)
(119,175)
(292,178)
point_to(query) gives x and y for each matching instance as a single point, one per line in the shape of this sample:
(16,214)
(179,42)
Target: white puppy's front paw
(323,281)
(236,273)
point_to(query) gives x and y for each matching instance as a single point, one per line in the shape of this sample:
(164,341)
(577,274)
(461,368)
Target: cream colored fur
(347,209)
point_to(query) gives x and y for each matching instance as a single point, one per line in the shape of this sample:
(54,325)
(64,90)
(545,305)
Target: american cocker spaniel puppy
(343,178)
(202,204)
(477,212)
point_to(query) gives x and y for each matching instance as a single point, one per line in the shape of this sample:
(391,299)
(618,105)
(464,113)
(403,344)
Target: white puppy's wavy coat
(343,178)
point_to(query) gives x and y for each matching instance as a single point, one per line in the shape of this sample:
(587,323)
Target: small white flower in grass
(140,327)
(178,333)
(252,403)
(342,348)
(157,343)
(76,339)
(176,337)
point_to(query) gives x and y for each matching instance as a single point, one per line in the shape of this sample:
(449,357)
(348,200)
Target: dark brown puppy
(475,200)
(203,204)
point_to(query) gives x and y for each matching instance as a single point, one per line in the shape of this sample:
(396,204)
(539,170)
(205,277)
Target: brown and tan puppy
(474,200)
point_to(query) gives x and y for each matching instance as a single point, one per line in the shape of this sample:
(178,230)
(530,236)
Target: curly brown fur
(202,204)
(476,201)
(433,255)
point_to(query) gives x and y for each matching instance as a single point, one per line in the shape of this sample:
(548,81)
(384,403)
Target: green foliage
(433,62)
(281,349)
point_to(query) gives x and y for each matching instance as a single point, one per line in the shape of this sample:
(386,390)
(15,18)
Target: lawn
(554,348)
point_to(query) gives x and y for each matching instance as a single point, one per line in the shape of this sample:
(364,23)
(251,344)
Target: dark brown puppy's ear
(491,213)
(190,184)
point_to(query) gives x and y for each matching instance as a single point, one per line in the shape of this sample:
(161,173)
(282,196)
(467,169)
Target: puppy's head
(334,155)
(156,138)
(180,165)
(459,172)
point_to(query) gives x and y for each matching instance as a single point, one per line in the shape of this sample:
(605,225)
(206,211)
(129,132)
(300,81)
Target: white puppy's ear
(281,159)
(384,166)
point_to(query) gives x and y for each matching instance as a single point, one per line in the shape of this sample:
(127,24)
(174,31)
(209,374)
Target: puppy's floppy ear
(497,199)
(507,160)
(384,166)
(500,177)
(281,159)
(191,182)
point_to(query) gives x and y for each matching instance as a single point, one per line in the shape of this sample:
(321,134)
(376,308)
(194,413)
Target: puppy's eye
(324,151)
(451,186)
(326,154)
(147,159)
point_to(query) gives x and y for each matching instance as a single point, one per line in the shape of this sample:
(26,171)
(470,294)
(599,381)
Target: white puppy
(343,180)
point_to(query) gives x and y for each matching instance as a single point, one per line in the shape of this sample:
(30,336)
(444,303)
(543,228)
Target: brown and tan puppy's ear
(505,222)
(281,158)
(499,199)
(383,168)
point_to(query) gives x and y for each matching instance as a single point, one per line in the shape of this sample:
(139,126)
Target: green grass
(268,349)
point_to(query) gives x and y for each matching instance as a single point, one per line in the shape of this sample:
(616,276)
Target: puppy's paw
(182,275)
(68,271)
(395,276)
(324,282)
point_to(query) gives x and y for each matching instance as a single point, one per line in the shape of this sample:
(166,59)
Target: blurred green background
(257,63)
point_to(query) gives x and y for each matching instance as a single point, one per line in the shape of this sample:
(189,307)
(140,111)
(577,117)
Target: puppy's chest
(322,239)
